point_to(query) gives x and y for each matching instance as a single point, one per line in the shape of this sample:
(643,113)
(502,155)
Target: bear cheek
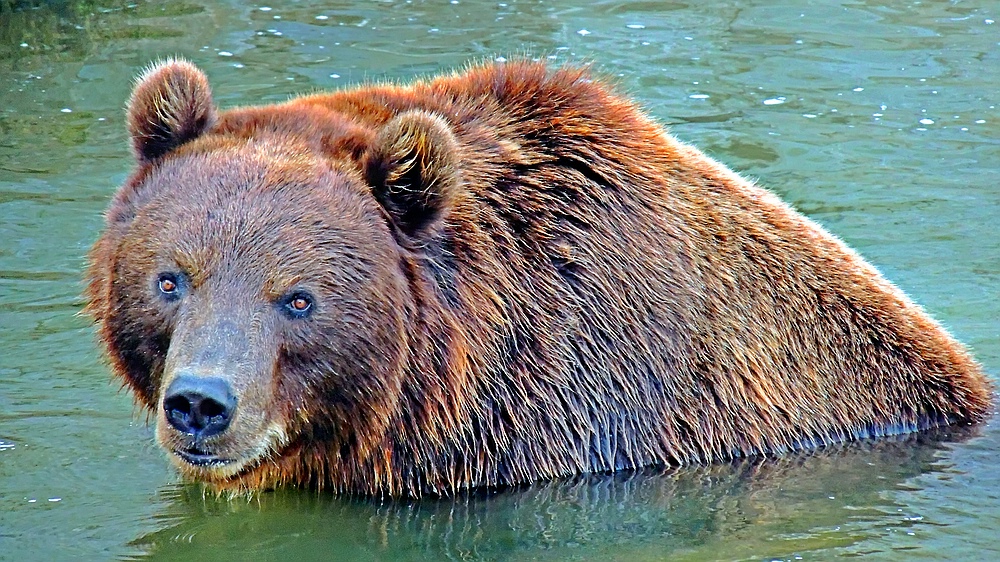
(340,398)
(135,333)
(343,387)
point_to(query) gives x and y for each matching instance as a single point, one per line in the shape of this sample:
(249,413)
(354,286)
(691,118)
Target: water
(878,121)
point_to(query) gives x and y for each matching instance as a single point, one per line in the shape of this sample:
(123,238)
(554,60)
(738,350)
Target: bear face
(260,320)
(484,280)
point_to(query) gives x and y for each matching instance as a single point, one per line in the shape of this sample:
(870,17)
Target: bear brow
(195,262)
(279,283)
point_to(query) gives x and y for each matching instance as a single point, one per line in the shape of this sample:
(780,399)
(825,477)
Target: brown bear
(486,279)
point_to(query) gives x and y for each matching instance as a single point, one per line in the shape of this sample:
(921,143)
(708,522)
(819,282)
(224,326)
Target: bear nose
(199,406)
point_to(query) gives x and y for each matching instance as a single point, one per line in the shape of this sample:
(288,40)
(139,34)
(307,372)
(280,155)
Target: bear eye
(168,285)
(299,304)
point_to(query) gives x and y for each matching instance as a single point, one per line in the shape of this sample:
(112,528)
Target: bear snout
(199,406)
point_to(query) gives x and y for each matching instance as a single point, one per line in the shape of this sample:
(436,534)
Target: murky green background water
(880,121)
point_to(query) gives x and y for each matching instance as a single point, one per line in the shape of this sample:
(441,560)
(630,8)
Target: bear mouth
(217,462)
(199,458)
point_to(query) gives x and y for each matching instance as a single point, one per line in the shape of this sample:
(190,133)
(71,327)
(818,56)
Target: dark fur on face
(484,280)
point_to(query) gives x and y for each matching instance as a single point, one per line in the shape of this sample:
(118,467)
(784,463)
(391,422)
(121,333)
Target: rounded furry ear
(412,168)
(170,105)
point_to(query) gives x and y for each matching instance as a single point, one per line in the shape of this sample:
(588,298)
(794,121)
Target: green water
(880,122)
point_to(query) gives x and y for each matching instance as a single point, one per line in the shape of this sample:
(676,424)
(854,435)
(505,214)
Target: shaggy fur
(516,275)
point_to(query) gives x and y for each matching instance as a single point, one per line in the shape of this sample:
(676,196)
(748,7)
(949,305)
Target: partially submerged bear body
(487,279)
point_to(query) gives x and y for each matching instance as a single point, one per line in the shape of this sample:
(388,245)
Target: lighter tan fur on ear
(170,105)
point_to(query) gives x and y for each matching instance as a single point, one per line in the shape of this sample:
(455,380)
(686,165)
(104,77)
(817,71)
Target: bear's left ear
(171,105)
(412,168)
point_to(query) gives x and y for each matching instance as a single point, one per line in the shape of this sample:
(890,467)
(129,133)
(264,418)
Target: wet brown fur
(520,276)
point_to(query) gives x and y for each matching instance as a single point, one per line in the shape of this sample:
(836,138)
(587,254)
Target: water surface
(880,122)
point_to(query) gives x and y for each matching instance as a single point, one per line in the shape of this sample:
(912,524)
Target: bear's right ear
(171,105)
(412,169)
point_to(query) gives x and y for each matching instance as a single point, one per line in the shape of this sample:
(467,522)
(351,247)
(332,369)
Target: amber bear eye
(167,284)
(298,305)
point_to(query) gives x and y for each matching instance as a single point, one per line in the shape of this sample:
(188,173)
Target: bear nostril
(199,406)
(210,408)
(178,405)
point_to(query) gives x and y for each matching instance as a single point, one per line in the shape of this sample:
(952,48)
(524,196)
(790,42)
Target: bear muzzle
(199,409)
(212,415)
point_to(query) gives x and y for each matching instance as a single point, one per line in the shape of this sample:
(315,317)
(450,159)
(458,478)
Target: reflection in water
(750,508)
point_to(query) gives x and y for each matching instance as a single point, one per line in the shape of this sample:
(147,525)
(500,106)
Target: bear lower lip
(197,458)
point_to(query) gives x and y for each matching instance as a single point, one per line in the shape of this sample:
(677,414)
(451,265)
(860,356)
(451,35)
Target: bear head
(250,285)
